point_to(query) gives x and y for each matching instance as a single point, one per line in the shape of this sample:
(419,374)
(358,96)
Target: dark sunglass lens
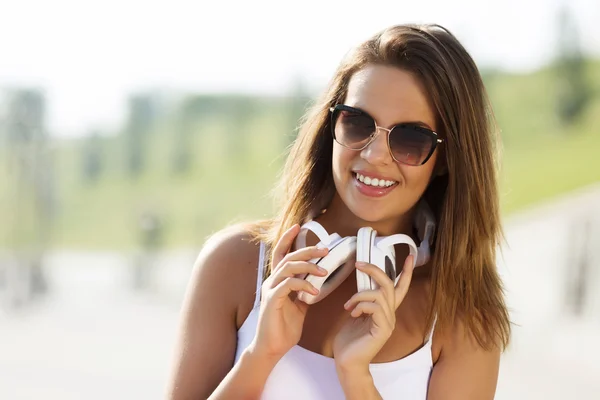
(353,129)
(410,144)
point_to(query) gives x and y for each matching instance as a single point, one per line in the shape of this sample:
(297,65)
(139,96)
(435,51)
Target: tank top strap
(260,273)
(430,334)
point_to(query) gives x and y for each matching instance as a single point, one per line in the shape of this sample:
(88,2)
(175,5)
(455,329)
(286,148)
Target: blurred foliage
(543,157)
(205,161)
(27,180)
(92,158)
(235,149)
(571,73)
(142,114)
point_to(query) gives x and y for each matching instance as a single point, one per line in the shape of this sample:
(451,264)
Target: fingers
(376,311)
(295,268)
(384,282)
(404,282)
(290,285)
(373,296)
(284,244)
(281,251)
(305,254)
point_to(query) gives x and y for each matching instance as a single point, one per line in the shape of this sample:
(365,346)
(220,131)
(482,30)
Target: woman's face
(391,96)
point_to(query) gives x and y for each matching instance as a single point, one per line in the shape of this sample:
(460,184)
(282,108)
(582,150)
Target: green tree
(141,117)
(298,102)
(92,158)
(32,183)
(573,84)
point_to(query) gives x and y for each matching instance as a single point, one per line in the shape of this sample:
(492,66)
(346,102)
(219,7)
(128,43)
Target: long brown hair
(465,282)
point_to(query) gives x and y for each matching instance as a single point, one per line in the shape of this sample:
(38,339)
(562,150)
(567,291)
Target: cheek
(341,161)
(418,177)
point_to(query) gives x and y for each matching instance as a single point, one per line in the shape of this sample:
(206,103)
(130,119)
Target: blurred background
(129,131)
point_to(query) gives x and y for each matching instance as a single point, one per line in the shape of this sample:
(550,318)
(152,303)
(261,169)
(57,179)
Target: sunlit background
(129,131)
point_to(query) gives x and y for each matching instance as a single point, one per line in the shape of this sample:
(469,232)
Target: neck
(338,218)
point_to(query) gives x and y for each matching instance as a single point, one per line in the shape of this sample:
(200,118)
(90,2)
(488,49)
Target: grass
(541,157)
(558,166)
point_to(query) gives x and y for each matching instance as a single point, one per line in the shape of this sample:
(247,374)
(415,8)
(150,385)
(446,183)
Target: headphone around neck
(366,246)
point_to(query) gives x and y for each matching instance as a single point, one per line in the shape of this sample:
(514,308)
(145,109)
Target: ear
(322,201)
(441,165)
(441,169)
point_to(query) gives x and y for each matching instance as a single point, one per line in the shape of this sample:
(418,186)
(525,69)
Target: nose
(377,152)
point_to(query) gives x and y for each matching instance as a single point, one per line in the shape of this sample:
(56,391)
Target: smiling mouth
(374,182)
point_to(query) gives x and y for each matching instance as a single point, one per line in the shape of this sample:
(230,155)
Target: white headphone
(380,251)
(335,262)
(367,247)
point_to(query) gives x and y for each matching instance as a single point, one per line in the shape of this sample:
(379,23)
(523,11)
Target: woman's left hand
(373,319)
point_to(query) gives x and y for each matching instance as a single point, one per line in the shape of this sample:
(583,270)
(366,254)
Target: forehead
(390,95)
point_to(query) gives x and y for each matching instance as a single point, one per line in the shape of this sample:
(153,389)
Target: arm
(358,385)
(464,370)
(222,279)
(247,378)
(359,340)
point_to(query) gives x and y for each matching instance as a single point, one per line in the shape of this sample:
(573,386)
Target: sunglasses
(409,143)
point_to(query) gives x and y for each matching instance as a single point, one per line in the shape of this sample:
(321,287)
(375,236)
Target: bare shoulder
(455,337)
(220,294)
(228,262)
(229,249)
(464,369)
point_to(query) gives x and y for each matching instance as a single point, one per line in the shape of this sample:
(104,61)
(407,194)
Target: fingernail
(360,264)
(322,270)
(347,304)
(315,291)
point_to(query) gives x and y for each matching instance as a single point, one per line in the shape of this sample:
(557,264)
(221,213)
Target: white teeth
(374,181)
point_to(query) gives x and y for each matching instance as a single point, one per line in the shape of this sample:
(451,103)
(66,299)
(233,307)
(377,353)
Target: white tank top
(303,374)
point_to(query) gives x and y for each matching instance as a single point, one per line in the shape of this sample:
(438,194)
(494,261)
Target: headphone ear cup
(386,246)
(382,256)
(338,268)
(364,246)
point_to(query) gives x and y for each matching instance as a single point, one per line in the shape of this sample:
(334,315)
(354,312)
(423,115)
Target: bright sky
(88,56)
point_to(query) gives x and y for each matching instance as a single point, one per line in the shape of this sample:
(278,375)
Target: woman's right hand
(282,315)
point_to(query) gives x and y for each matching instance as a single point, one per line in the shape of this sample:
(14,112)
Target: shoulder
(229,248)
(228,264)
(451,333)
(458,337)
(222,283)
(457,344)
(464,369)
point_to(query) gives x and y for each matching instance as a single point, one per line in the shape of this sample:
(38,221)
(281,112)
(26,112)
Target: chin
(368,213)
(377,212)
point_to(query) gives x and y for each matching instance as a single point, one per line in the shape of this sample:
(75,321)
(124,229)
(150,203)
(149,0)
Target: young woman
(405,119)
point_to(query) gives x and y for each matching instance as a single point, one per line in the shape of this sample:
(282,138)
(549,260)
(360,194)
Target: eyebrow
(417,123)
